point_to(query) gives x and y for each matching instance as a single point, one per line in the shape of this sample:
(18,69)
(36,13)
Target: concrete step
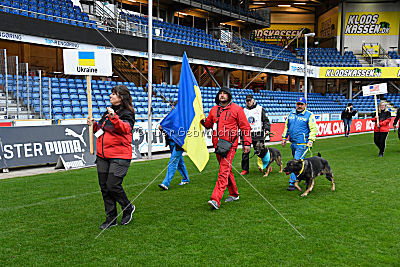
(362,61)
(13,109)
(10,101)
(21,117)
(13,112)
(13,103)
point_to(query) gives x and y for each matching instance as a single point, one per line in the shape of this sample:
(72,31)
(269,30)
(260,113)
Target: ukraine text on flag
(182,124)
(86,58)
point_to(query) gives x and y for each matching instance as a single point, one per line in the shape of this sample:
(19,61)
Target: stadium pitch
(53,219)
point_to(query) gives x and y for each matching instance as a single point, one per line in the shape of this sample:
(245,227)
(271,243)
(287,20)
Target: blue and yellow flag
(86,58)
(182,124)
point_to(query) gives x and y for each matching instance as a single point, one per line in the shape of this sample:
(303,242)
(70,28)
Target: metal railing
(369,56)
(127,26)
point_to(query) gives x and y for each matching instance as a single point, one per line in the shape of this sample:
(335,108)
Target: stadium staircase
(22,113)
(363,61)
(125,70)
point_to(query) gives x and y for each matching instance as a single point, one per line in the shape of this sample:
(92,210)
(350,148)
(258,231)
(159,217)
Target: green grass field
(53,219)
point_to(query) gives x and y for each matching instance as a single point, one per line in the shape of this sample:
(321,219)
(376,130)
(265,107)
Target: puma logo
(70,132)
(81,158)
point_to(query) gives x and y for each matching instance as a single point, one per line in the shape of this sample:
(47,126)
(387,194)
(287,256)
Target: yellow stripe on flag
(195,143)
(86,62)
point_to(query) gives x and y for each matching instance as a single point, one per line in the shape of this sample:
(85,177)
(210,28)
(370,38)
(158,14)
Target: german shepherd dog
(307,170)
(275,155)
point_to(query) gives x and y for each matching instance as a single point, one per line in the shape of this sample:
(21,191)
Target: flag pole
(150,74)
(376,111)
(90,113)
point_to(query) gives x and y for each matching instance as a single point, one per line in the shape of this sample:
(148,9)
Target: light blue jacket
(301,128)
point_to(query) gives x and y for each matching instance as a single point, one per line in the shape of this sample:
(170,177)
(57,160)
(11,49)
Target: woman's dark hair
(123,92)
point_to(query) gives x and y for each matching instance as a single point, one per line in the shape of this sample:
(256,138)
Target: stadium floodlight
(311,34)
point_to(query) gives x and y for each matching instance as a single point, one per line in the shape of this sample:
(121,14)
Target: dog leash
(305,152)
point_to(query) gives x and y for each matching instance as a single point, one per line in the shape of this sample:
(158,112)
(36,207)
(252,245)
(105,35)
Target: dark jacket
(384,121)
(168,142)
(266,125)
(231,119)
(397,117)
(116,141)
(348,114)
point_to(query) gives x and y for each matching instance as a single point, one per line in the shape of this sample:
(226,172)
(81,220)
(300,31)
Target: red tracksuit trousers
(225,178)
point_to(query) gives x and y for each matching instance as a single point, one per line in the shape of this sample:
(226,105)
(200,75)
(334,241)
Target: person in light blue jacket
(301,128)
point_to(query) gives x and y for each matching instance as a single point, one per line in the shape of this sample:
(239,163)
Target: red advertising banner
(327,128)
(6,124)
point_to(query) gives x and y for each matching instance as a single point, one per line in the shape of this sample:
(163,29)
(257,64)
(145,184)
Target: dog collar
(302,169)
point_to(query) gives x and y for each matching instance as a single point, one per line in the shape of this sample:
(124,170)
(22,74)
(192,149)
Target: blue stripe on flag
(86,55)
(181,117)
(182,124)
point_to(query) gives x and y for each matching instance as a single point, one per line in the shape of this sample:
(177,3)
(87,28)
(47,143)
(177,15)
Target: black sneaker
(163,186)
(108,224)
(380,155)
(291,188)
(127,215)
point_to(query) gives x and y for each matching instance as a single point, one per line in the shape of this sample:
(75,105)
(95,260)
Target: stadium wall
(18,24)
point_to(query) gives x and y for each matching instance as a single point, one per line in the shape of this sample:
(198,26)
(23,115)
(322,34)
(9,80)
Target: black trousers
(111,173)
(380,140)
(246,157)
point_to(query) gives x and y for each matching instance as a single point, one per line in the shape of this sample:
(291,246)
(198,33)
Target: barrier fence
(70,143)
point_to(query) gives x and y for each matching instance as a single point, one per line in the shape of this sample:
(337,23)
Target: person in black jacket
(395,122)
(260,127)
(347,116)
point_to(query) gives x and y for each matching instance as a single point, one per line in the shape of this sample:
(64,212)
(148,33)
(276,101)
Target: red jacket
(231,119)
(116,141)
(384,122)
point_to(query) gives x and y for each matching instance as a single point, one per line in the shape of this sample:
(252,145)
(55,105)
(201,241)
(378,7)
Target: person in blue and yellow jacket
(301,128)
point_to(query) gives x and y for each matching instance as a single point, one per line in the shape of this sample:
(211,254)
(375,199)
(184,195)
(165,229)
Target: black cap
(349,104)
(249,97)
(226,90)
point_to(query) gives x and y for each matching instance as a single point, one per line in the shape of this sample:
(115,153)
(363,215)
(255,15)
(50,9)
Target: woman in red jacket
(381,128)
(114,154)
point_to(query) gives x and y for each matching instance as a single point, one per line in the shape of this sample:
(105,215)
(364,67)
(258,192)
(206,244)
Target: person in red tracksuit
(231,118)
(381,129)
(114,154)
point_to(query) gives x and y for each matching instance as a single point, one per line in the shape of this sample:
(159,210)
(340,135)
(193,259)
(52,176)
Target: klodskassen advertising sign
(371,50)
(359,72)
(370,23)
(279,31)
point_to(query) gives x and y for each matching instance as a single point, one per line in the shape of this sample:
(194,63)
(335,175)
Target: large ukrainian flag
(182,124)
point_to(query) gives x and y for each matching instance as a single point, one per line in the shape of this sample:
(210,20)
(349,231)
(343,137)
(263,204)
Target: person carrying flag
(183,127)
(176,162)
(226,118)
